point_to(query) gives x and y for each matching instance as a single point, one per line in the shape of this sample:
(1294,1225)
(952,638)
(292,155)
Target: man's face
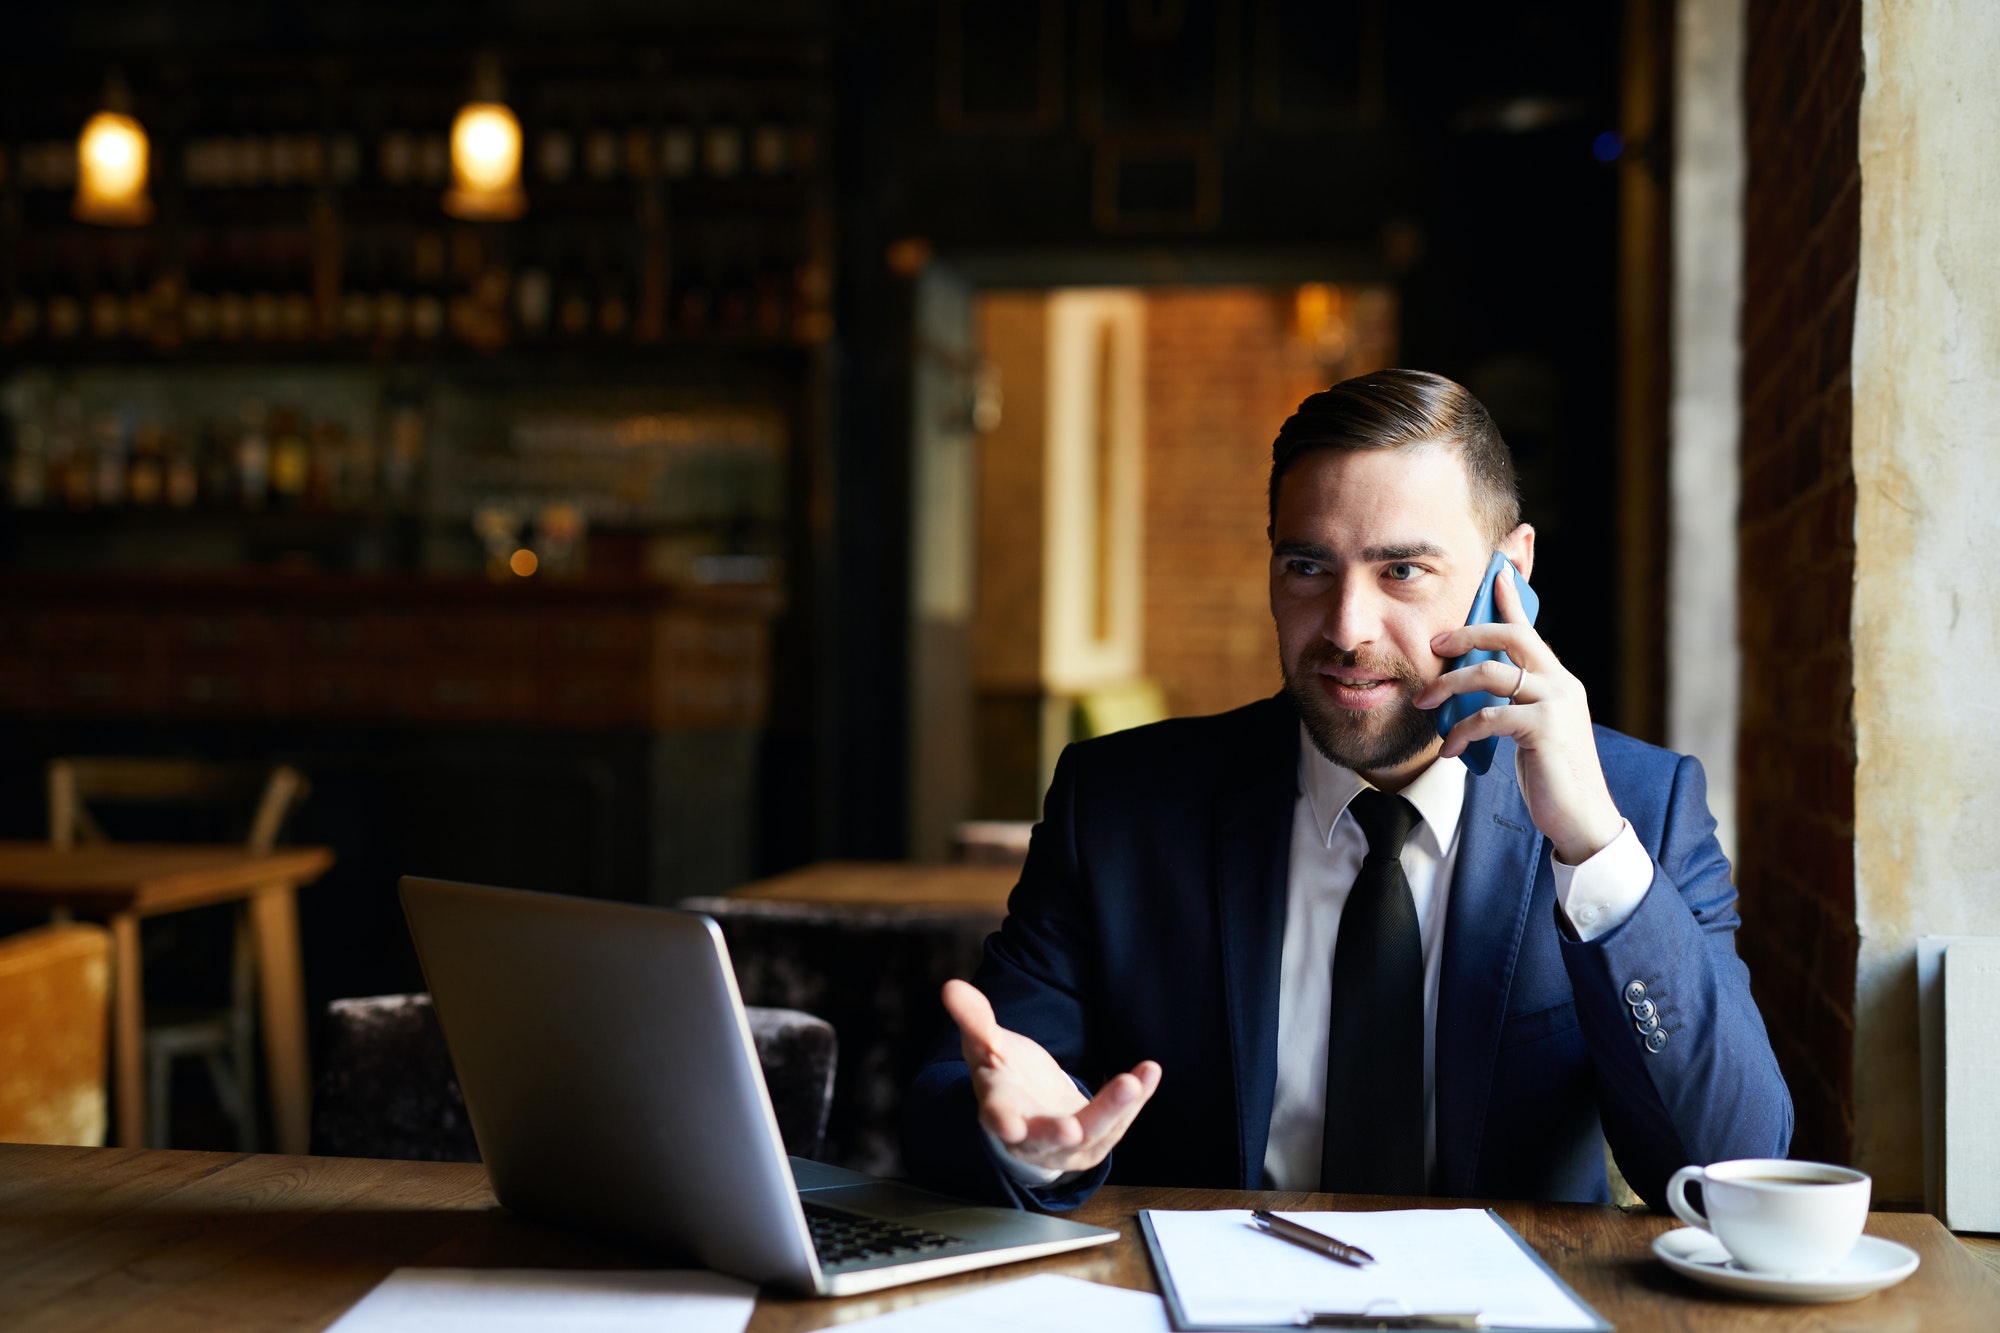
(1374,553)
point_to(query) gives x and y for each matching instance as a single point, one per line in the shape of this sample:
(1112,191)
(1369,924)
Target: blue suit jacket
(1148,923)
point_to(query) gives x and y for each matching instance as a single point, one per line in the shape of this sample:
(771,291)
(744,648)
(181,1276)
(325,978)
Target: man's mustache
(1396,668)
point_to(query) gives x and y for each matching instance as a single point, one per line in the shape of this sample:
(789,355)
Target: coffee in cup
(1790,1218)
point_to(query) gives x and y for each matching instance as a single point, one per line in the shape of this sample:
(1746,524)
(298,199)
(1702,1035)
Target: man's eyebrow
(1373,555)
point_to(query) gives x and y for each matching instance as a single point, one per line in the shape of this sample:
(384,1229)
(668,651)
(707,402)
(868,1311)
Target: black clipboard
(1177,1313)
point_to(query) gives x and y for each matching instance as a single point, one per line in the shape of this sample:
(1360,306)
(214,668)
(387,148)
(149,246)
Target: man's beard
(1382,737)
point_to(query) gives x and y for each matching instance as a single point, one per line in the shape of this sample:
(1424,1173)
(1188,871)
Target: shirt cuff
(1602,894)
(1025,1174)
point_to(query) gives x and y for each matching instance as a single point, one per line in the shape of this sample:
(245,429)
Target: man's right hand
(1026,1100)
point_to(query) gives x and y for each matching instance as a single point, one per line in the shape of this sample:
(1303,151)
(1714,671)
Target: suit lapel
(1253,838)
(1493,883)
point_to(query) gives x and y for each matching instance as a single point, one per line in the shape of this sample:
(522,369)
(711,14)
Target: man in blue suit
(1304,945)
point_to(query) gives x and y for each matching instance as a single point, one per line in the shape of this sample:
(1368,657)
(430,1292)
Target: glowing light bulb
(111,157)
(485,164)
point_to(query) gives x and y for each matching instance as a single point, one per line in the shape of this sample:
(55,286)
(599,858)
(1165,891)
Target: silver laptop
(613,1087)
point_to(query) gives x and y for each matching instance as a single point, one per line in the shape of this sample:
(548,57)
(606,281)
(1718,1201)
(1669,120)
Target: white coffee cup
(1774,1216)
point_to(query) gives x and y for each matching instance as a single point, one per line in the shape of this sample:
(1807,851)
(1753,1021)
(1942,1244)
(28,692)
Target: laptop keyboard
(842,1238)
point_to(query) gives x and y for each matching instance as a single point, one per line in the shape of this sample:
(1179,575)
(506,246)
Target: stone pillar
(1926,617)
(1706,408)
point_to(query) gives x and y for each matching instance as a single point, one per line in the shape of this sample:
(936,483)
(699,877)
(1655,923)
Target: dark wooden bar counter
(257,645)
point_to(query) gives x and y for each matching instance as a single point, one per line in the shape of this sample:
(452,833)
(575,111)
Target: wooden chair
(223,1039)
(54,987)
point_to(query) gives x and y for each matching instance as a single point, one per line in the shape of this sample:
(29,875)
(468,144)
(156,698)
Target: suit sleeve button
(1656,1041)
(1635,991)
(1648,1026)
(1644,1010)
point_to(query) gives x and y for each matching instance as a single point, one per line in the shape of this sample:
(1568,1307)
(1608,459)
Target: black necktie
(1374,1137)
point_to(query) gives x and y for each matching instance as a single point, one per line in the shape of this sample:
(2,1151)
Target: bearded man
(1303,945)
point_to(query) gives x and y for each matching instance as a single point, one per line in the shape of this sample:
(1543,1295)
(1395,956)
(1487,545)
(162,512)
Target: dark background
(1456,150)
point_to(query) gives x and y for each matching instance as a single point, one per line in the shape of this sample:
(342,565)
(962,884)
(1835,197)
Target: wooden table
(154,1242)
(121,883)
(981,888)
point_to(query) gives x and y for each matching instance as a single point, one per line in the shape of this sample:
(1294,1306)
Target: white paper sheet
(1046,1303)
(507,1300)
(1429,1261)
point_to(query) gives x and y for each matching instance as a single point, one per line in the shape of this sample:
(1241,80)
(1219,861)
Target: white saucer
(1874,1264)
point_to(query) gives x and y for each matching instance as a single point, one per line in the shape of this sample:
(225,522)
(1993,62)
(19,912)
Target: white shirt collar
(1438,792)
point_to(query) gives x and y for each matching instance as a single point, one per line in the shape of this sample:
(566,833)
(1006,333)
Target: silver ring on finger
(1518,680)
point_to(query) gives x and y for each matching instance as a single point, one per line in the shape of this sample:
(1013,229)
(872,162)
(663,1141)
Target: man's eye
(1403,571)
(1303,568)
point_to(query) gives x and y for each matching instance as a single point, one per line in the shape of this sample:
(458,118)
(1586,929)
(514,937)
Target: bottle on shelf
(69,468)
(391,315)
(357,304)
(614,309)
(253,458)
(327,451)
(773,314)
(343,159)
(533,301)
(23,320)
(298,320)
(433,160)
(555,155)
(641,164)
(396,158)
(722,150)
(182,476)
(357,472)
(427,272)
(291,463)
(111,443)
(28,468)
(105,306)
(771,149)
(733,308)
(677,151)
(216,464)
(600,154)
(232,307)
(146,476)
(65,316)
(404,455)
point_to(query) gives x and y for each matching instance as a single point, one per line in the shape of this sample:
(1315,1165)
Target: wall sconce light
(485,155)
(111,156)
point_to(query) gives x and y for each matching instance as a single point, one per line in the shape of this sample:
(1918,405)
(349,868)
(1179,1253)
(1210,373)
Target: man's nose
(1353,615)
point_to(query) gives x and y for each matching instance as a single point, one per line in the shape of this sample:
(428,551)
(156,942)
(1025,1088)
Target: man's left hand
(1549,720)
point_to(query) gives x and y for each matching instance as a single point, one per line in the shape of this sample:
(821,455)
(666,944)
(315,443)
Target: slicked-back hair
(1404,409)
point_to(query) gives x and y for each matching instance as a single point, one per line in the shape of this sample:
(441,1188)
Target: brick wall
(1223,371)
(1795,866)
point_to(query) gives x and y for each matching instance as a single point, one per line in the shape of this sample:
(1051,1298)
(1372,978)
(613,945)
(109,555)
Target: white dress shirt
(1326,853)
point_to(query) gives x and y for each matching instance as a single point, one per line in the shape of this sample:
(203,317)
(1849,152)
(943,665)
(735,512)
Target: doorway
(1097,502)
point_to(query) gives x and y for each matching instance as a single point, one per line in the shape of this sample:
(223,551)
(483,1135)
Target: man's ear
(1519,547)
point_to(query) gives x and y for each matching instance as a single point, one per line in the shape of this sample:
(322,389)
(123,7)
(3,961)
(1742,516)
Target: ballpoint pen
(1307,1238)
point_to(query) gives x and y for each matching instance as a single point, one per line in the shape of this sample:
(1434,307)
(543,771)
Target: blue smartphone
(1479,755)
